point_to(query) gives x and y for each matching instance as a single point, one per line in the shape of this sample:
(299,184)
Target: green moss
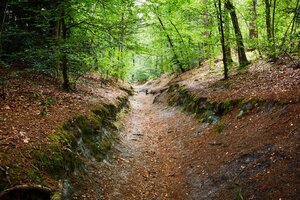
(56,196)
(246,106)
(34,174)
(227,105)
(102,111)
(82,124)
(57,159)
(100,146)
(282,103)
(60,157)
(3,155)
(220,127)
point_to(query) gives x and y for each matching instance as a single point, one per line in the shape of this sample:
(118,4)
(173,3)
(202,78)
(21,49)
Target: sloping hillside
(249,140)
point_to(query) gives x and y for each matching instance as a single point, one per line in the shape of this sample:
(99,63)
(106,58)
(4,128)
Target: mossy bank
(211,111)
(80,139)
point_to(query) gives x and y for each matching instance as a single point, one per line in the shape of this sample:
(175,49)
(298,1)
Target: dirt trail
(150,156)
(151,153)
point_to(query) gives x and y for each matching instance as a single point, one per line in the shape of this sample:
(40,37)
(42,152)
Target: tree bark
(57,38)
(226,37)
(252,24)
(268,19)
(64,59)
(205,20)
(273,55)
(270,23)
(243,61)
(2,18)
(222,38)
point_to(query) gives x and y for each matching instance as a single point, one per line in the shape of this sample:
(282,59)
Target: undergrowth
(65,153)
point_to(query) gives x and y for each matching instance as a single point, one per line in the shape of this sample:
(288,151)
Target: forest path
(151,154)
(148,164)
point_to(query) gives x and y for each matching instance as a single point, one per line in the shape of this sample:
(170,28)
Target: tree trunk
(270,27)
(252,24)
(295,16)
(182,41)
(205,20)
(243,61)
(3,10)
(57,36)
(268,19)
(171,44)
(273,55)
(222,38)
(226,29)
(64,59)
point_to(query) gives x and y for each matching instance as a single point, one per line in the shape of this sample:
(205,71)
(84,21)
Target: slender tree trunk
(204,47)
(222,38)
(243,61)
(133,60)
(273,31)
(296,13)
(171,44)
(270,23)
(57,36)
(179,34)
(252,24)
(226,29)
(268,19)
(2,18)
(121,48)
(295,17)
(162,63)
(182,41)
(64,59)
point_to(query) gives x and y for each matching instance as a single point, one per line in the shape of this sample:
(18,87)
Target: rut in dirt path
(151,155)
(150,159)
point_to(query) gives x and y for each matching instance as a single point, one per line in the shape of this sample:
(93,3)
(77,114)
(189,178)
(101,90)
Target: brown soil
(163,153)
(150,159)
(23,128)
(167,154)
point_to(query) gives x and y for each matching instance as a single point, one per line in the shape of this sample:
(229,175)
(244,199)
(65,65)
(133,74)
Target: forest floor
(26,126)
(252,152)
(150,156)
(164,153)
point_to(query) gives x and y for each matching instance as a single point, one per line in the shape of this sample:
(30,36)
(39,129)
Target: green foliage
(45,102)
(119,38)
(3,63)
(143,75)
(238,194)
(220,127)
(98,36)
